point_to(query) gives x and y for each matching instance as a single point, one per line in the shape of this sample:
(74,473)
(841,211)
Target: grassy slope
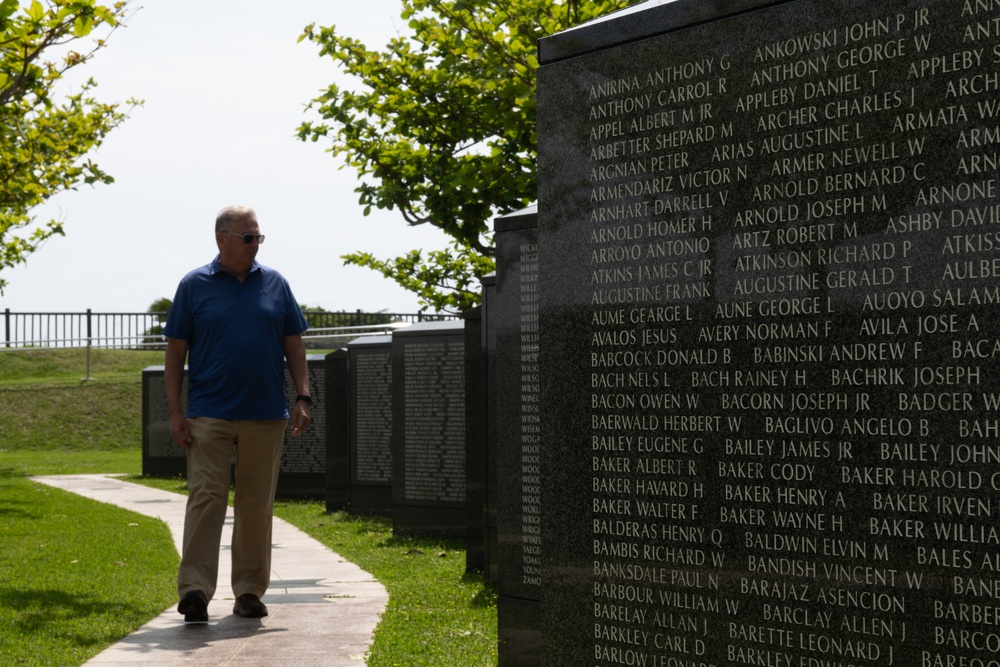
(75,575)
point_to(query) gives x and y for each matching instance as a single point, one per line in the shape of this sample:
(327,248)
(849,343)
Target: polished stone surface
(491,556)
(639,21)
(338,431)
(428,430)
(477,409)
(370,425)
(518,434)
(769,278)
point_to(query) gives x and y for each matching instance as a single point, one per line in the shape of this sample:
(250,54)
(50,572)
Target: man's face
(234,254)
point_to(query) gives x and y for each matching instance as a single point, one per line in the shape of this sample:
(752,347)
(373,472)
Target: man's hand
(295,354)
(173,378)
(180,431)
(300,418)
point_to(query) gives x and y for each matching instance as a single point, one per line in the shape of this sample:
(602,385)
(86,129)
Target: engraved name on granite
(769,276)
(428,429)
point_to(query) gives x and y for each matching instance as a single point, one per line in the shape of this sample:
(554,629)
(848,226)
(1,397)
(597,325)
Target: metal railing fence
(145,330)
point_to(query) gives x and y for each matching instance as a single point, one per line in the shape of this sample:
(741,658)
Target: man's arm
(173,378)
(295,356)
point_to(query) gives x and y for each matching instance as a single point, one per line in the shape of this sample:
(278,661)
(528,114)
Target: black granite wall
(769,277)
(428,430)
(491,556)
(477,409)
(371,420)
(518,433)
(338,431)
(160,456)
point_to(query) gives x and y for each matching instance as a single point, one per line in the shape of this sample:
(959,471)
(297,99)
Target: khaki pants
(258,456)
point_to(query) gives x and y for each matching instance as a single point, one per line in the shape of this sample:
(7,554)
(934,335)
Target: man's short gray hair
(231,214)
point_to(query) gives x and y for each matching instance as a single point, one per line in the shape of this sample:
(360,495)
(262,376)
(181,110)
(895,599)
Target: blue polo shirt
(236,334)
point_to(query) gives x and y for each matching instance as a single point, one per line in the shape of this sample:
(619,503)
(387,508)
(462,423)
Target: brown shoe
(194,606)
(249,605)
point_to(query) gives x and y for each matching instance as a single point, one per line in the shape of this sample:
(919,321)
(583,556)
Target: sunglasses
(248,238)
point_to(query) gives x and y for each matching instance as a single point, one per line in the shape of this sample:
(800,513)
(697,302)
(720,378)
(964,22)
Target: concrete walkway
(323,609)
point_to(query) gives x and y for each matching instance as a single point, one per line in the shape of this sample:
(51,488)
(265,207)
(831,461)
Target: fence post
(87,379)
(6,317)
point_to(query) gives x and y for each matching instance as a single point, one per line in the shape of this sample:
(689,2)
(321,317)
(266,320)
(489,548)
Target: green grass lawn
(75,575)
(438,615)
(74,581)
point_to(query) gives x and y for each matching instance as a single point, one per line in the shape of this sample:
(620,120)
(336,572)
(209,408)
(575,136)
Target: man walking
(236,322)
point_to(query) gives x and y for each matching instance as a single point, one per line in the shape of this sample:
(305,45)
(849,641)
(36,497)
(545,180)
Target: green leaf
(82,26)
(7,8)
(35,12)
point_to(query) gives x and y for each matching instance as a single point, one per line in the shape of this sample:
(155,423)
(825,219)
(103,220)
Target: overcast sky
(225,85)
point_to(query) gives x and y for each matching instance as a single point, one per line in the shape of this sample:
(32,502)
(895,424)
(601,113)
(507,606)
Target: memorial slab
(338,431)
(769,272)
(303,458)
(518,433)
(491,557)
(428,430)
(477,408)
(371,418)
(160,456)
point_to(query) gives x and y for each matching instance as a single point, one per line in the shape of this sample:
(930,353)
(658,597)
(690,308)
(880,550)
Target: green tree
(160,308)
(442,127)
(43,140)
(445,280)
(318,317)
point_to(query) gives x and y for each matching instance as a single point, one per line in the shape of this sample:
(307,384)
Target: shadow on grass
(430,544)
(368,519)
(11,507)
(17,509)
(486,595)
(48,610)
